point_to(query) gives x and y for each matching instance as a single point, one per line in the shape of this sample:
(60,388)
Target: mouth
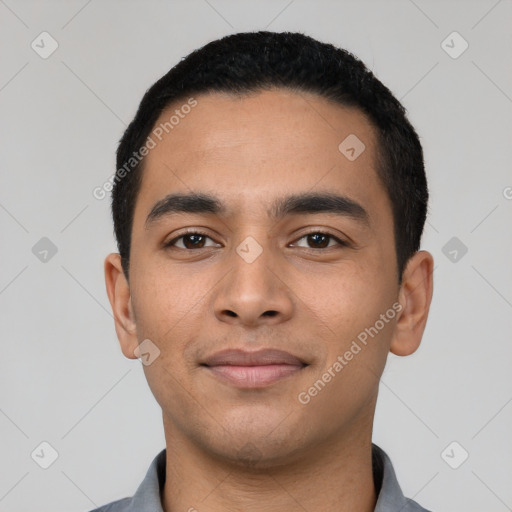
(253,369)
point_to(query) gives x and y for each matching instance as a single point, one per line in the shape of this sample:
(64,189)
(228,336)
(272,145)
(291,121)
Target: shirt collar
(390,496)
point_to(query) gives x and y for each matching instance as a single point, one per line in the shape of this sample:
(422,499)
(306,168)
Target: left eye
(320,240)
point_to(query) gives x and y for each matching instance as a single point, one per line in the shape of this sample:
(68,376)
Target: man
(268,206)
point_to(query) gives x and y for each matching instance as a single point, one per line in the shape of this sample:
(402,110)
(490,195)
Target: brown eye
(192,240)
(320,240)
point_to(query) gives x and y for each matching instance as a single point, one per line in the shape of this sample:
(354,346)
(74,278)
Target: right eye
(190,240)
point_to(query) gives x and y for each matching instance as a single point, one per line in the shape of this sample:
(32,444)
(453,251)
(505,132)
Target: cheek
(165,300)
(167,307)
(171,389)
(347,376)
(346,303)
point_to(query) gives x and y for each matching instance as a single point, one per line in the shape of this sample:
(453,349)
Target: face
(256,296)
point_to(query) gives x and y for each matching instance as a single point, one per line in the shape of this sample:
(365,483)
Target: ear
(414,296)
(119,295)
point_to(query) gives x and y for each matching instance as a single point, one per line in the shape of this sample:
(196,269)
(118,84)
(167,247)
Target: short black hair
(250,62)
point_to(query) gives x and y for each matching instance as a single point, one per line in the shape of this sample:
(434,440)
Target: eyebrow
(306,203)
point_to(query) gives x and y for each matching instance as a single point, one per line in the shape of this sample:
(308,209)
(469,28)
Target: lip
(255,369)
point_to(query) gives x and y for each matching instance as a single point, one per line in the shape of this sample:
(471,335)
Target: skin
(262,450)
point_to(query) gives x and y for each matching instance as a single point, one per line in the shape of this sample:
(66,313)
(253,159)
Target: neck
(333,476)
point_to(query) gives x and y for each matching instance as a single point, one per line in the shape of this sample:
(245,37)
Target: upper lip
(238,357)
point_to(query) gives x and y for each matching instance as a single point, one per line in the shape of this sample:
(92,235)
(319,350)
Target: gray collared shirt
(147,498)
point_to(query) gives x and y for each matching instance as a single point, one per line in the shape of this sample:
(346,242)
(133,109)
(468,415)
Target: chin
(258,445)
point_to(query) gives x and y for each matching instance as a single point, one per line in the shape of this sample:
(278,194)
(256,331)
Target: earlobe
(415,297)
(119,295)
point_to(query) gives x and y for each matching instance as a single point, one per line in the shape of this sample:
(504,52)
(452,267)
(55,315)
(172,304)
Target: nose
(254,291)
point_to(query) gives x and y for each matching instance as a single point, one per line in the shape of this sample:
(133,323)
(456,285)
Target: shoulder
(412,506)
(115,506)
(390,496)
(147,496)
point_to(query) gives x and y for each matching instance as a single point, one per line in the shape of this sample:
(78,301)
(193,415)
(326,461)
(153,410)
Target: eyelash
(340,242)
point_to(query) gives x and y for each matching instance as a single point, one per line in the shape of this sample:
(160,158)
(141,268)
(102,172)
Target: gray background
(63,377)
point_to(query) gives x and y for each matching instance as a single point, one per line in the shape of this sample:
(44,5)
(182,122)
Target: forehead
(249,148)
